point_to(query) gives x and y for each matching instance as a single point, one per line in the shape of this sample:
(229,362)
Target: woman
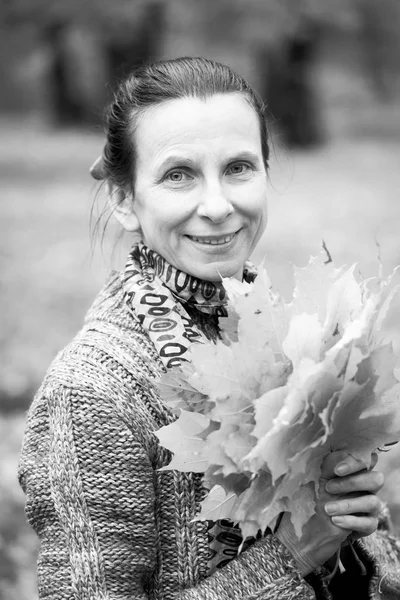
(185,162)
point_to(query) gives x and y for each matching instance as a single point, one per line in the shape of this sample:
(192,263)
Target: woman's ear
(121,204)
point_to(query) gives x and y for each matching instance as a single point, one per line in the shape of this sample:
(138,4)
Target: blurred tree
(131,51)
(379,25)
(287,85)
(282,37)
(92,41)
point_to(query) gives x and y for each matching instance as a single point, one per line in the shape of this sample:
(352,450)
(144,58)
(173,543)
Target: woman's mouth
(213,240)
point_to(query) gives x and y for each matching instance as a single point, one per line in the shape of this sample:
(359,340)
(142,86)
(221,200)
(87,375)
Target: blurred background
(329,73)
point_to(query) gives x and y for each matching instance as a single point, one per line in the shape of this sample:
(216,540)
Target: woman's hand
(354,504)
(347,503)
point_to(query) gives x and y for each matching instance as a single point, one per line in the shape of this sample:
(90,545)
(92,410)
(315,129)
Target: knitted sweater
(111,525)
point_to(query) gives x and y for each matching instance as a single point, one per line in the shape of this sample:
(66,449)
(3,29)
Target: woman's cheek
(254,197)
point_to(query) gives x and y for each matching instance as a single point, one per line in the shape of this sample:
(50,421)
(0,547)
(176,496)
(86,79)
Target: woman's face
(201,186)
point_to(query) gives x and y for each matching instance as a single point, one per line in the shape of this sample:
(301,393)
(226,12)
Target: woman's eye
(239,169)
(177,176)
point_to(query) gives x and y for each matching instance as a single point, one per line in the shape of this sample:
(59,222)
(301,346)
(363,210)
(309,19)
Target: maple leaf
(304,338)
(216,375)
(387,296)
(274,447)
(377,369)
(253,501)
(236,288)
(301,505)
(312,286)
(183,439)
(309,447)
(234,440)
(229,327)
(232,375)
(263,315)
(215,454)
(177,392)
(356,431)
(343,304)
(217,505)
(267,408)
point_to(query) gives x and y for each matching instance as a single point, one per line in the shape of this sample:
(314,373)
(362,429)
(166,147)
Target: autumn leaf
(229,327)
(216,375)
(183,439)
(312,286)
(304,339)
(217,505)
(343,304)
(263,315)
(176,390)
(235,440)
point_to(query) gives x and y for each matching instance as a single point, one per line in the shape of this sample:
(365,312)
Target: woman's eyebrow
(174,160)
(244,155)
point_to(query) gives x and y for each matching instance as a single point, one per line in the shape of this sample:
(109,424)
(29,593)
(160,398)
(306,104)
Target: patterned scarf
(157,294)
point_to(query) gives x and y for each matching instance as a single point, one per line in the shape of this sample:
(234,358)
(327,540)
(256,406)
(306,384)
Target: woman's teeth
(213,241)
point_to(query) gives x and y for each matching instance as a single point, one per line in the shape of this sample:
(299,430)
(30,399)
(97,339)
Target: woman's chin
(215,272)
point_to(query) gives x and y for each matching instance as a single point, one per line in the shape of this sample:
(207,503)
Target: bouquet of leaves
(286,384)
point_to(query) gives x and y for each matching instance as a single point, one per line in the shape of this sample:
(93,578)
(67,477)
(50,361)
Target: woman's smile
(214,240)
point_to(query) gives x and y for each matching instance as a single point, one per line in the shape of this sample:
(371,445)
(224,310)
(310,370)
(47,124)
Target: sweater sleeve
(265,571)
(90,499)
(89,484)
(381,554)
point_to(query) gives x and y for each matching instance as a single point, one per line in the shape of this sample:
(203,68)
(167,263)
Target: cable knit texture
(111,526)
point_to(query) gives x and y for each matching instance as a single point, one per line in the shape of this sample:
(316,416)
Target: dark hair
(158,82)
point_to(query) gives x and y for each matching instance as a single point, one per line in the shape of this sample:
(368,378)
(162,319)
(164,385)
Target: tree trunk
(287,86)
(379,39)
(65,105)
(142,47)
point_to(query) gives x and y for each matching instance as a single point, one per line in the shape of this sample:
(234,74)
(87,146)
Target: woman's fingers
(361,525)
(331,461)
(350,465)
(364,481)
(368,504)
(340,463)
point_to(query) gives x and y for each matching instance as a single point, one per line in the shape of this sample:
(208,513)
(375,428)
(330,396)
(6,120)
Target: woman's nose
(214,205)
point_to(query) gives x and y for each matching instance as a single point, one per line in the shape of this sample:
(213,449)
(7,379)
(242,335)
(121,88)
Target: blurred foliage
(85,47)
(118,19)
(258,20)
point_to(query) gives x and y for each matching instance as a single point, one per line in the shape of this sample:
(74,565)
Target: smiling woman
(200,186)
(185,162)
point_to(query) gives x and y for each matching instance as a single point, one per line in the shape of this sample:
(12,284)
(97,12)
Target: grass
(345,193)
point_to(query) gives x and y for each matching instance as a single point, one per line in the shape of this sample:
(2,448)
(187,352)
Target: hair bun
(97,170)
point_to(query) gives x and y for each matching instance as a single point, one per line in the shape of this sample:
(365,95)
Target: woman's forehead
(192,124)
